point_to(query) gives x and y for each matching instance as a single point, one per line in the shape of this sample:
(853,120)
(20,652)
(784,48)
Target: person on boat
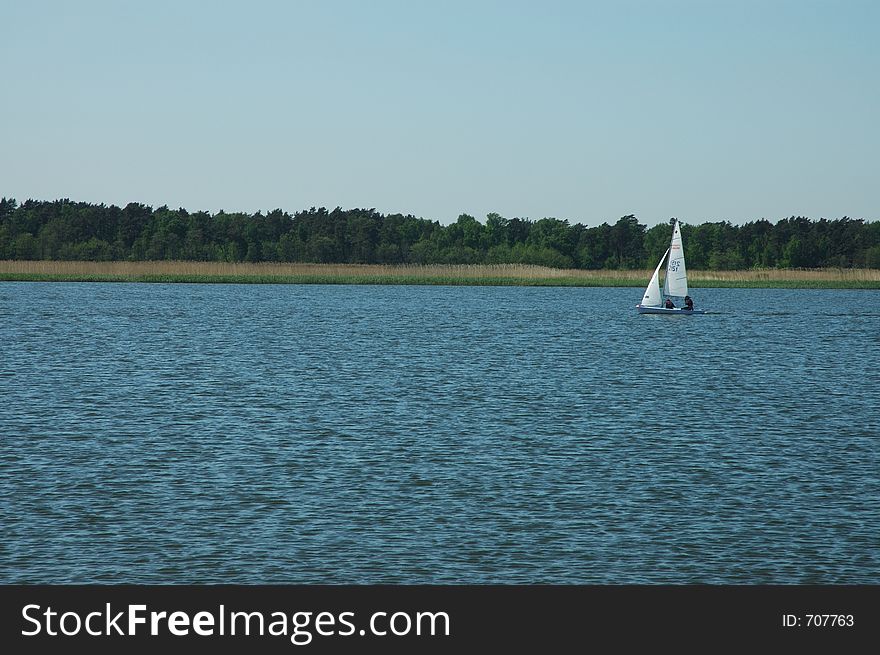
(669,304)
(688,303)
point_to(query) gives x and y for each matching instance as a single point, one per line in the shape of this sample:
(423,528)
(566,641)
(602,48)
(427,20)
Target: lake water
(402,434)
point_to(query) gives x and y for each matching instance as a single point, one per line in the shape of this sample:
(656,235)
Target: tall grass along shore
(499,274)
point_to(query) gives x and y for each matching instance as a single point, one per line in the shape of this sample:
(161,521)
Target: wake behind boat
(674,284)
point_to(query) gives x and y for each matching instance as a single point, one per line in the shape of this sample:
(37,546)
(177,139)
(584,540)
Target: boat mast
(669,250)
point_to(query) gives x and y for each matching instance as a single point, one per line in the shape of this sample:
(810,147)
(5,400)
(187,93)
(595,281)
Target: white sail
(652,293)
(676,283)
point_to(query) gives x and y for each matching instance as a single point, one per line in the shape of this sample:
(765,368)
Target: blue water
(370,434)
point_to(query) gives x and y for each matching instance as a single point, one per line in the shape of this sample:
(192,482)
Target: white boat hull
(674,312)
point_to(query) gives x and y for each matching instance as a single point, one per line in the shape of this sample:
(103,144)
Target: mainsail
(676,283)
(652,293)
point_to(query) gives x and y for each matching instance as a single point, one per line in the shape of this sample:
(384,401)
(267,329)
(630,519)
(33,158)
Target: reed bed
(125,268)
(466,274)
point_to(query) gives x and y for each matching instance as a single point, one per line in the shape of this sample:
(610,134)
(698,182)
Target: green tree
(628,241)
(25,246)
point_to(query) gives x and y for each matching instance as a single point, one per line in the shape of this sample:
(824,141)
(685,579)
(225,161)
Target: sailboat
(675,284)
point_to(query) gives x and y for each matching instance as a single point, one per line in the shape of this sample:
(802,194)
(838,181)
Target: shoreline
(406,274)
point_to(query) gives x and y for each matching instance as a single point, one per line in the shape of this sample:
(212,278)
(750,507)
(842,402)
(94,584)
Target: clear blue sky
(585,111)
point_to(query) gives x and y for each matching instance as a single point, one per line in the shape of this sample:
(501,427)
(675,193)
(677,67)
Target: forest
(68,230)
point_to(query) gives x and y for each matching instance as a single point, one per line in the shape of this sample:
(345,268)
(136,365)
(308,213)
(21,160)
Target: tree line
(66,230)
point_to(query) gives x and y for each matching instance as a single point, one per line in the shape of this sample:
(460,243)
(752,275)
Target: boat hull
(676,311)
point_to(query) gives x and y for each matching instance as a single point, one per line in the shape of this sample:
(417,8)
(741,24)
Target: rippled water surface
(368,434)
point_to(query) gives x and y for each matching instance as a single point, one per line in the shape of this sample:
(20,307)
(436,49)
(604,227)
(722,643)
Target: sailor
(688,303)
(669,304)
